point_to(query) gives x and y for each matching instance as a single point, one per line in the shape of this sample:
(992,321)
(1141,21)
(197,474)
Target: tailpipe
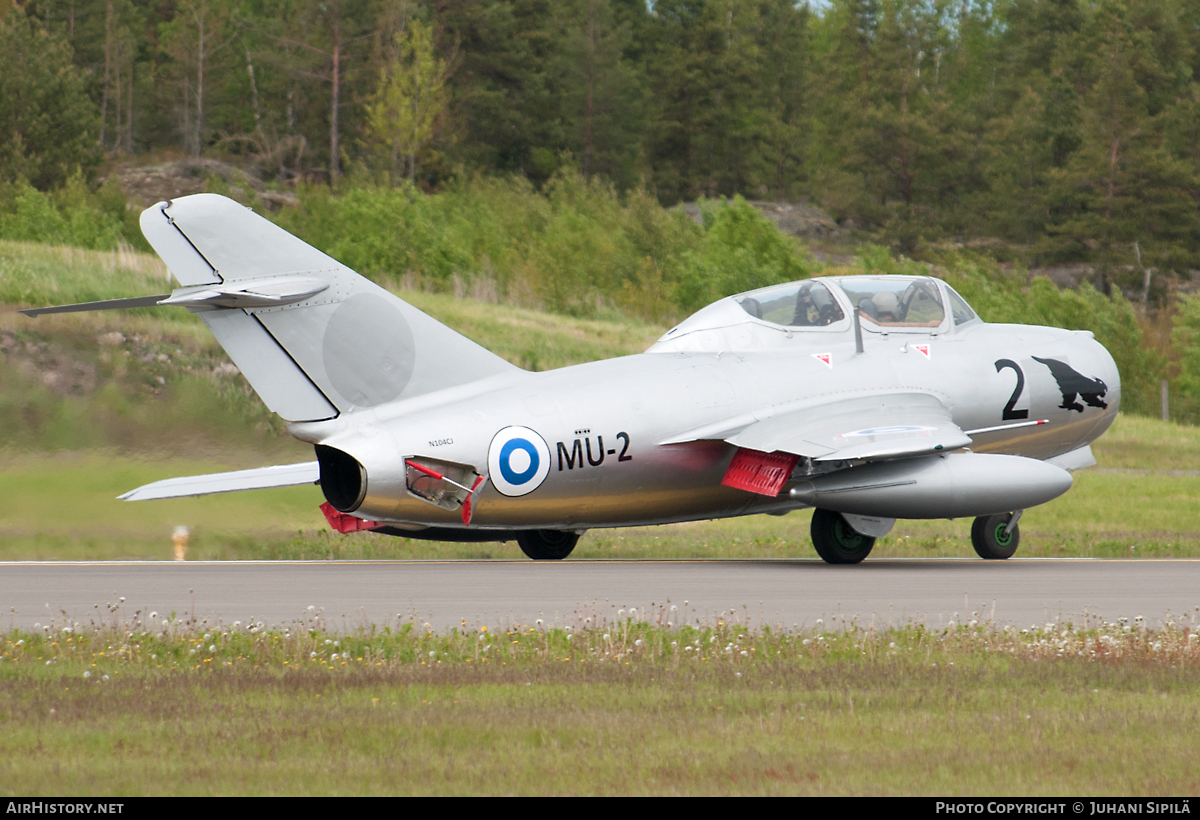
(959,485)
(343,479)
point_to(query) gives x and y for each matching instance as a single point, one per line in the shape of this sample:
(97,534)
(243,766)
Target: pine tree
(897,127)
(1123,185)
(603,101)
(48,126)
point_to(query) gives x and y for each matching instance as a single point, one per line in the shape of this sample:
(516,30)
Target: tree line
(1067,129)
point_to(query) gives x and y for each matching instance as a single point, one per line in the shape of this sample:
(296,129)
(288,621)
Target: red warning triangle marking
(826,359)
(923,350)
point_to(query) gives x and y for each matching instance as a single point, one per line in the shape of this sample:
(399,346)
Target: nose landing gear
(996,537)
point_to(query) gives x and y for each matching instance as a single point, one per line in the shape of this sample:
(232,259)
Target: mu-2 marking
(581,449)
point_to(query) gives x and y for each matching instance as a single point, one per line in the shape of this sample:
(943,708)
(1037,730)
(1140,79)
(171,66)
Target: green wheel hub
(994,537)
(846,539)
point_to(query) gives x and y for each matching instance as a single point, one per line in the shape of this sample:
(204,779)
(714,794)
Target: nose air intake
(343,479)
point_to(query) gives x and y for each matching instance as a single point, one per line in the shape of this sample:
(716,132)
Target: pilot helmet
(886,302)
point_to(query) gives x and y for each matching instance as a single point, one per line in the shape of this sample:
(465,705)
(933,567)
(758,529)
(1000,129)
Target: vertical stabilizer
(351,345)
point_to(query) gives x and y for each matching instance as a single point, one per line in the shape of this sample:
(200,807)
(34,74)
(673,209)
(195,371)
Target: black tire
(836,541)
(547,545)
(990,540)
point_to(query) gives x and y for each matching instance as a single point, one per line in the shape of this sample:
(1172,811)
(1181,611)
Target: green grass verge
(630,707)
(64,506)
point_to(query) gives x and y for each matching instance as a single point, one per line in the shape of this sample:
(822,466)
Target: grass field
(622,708)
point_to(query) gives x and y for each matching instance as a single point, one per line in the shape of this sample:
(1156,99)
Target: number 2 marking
(623,457)
(1009,413)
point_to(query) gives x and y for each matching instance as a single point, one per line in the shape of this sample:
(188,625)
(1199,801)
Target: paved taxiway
(1023,592)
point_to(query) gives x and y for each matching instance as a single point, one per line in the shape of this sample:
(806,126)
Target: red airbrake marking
(759,472)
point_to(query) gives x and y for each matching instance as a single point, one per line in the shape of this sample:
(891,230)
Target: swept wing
(868,428)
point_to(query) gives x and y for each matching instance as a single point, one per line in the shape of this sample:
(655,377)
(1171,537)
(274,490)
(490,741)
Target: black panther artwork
(1072,382)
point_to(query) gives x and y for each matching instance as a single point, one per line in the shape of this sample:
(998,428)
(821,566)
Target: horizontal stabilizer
(261,478)
(107,304)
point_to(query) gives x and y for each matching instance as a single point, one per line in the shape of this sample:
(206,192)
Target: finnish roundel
(518,461)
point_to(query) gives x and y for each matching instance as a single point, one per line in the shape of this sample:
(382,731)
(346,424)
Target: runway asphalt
(444,593)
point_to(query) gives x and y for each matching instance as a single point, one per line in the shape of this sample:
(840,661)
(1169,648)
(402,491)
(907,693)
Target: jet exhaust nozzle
(959,485)
(343,478)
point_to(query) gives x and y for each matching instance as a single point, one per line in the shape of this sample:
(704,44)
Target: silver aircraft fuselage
(870,398)
(606,424)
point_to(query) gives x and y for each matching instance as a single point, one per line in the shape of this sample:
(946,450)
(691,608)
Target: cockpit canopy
(894,302)
(796,304)
(814,308)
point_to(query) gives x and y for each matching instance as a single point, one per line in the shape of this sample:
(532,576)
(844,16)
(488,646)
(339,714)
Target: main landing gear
(836,541)
(547,545)
(996,537)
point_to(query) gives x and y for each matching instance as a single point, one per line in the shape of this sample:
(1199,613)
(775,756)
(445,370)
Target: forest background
(534,152)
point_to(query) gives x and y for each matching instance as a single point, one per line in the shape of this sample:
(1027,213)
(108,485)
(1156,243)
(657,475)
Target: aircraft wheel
(547,545)
(836,541)
(989,538)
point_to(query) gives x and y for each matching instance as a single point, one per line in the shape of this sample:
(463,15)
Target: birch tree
(412,94)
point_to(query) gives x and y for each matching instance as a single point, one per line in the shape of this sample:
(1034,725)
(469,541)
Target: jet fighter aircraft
(868,398)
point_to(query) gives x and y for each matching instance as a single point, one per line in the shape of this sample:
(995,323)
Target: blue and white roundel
(518,461)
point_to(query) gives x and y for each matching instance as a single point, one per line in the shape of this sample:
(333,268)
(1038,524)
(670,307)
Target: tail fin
(351,344)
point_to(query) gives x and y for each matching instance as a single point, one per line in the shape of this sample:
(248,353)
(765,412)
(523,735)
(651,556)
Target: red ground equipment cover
(344,523)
